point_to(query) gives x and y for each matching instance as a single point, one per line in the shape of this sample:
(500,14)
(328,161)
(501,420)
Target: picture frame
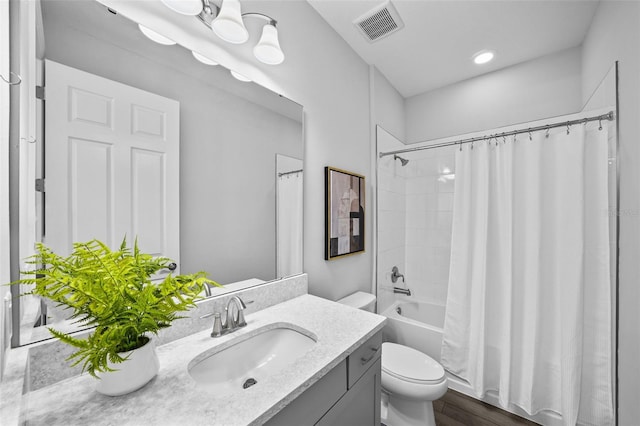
(344,213)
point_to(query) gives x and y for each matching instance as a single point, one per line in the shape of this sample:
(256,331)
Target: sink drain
(248,383)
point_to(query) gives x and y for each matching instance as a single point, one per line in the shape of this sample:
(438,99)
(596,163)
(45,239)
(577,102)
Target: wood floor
(456,409)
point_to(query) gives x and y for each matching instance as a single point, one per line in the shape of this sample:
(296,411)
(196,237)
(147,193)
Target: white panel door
(111,163)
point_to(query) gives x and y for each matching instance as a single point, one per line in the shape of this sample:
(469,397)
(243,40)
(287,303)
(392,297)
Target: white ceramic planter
(141,366)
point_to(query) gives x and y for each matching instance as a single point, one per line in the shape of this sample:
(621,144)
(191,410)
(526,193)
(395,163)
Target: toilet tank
(360,300)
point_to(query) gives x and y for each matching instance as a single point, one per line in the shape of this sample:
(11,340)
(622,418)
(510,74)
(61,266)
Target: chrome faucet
(207,290)
(235,321)
(395,274)
(405,291)
(232,322)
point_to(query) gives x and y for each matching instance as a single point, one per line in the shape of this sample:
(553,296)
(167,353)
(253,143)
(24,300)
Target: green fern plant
(113,292)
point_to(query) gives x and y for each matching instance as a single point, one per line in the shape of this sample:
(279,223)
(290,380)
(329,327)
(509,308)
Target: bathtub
(415,324)
(419,325)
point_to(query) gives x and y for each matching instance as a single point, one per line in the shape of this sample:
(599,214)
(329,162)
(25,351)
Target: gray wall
(325,75)
(537,89)
(615,36)
(227,153)
(388,106)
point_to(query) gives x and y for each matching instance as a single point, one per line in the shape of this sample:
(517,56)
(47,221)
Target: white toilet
(411,380)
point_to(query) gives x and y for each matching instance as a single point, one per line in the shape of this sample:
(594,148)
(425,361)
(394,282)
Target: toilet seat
(407,364)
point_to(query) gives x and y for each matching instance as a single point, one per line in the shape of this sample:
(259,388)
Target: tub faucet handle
(395,274)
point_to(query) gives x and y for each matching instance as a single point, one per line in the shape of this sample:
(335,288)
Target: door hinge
(40,185)
(40,92)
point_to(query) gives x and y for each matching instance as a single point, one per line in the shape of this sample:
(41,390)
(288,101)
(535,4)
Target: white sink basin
(249,361)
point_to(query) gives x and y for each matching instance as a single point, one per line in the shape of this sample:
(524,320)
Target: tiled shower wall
(415,204)
(391,218)
(429,181)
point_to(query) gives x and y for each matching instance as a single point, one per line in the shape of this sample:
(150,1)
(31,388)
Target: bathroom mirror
(230,134)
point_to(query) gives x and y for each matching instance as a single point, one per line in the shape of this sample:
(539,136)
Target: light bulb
(228,25)
(483,57)
(184,7)
(203,59)
(158,38)
(239,76)
(268,48)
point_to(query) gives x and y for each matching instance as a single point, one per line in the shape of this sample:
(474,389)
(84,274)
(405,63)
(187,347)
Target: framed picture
(344,213)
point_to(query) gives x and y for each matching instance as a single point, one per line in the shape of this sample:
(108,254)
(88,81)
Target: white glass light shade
(184,7)
(268,48)
(239,76)
(228,25)
(158,38)
(203,59)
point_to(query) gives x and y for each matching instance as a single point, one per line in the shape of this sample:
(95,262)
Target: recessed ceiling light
(483,57)
(203,58)
(158,38)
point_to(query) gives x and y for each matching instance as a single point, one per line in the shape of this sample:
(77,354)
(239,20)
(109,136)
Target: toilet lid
(409,364)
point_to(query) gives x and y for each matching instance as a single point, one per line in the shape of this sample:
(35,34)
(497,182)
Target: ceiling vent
(380,22)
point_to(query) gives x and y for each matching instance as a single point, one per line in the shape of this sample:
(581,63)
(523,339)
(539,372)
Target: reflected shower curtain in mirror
(289,241)
(529,303)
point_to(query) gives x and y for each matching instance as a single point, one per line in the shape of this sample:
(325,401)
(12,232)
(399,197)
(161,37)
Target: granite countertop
(173,397)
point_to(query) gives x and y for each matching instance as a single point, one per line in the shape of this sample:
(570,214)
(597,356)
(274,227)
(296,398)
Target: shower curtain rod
(608,116)
(290,173)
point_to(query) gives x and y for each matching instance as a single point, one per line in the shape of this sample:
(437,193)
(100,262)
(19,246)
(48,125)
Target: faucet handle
(395,274)
(217,325)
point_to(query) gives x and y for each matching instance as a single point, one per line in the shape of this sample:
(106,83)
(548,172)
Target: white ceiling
(435,47)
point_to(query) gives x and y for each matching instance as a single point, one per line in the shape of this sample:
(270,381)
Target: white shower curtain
(529,305)
(289,217)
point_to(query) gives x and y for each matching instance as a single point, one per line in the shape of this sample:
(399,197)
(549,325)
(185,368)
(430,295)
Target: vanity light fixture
(158,38)
(227,22)
(239,76)
(184,7)
(268,48)
(483,57)
(228,25)
(203,59)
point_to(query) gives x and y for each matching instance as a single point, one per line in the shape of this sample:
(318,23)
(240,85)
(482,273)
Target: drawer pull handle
(364,360)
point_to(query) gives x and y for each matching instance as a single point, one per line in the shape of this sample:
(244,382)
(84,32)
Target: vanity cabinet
(361,404)
(349,394)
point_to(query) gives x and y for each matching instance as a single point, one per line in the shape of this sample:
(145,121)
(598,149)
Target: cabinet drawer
(365,356)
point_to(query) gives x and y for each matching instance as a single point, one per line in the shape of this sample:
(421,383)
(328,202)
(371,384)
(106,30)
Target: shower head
(403,161)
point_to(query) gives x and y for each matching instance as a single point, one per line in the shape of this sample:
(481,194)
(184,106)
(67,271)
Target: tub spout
(405,291)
